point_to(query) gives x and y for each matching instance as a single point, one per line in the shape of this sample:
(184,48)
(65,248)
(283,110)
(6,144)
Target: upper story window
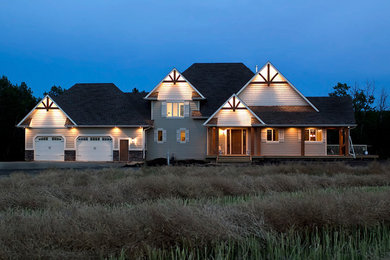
(313,135)
(175,109)
(272,135)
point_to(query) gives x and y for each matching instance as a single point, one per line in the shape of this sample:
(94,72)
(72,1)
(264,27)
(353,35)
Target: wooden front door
(236,141)
(124,150)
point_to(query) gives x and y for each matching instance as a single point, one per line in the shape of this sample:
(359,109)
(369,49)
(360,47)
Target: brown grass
(98,213)
(52,188)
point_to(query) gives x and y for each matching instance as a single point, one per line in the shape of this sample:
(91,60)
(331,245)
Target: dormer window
(175,109)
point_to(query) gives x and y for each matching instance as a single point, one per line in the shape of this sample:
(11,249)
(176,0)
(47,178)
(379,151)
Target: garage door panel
(94,148)
(49,148)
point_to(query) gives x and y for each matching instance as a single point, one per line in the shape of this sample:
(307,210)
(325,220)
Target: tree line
(373,121)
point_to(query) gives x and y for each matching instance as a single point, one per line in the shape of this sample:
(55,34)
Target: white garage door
(94,148)
(49,148)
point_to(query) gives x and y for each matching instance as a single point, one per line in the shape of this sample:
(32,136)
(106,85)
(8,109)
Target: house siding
(292,145)
(241,117)
(178,91)
(194,149)
(52,118)
(71,134)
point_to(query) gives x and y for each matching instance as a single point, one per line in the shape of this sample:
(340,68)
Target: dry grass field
(287,211)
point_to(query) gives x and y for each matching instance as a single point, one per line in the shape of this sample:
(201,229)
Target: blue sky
(315,44)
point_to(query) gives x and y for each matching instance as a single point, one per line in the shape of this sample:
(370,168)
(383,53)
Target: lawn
(286,211)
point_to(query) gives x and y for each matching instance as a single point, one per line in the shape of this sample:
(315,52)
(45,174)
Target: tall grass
(198,212)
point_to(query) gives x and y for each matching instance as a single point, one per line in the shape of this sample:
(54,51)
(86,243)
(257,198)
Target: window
(272,135)
(56,138)
(313,135)
(182,135)
(175,109)
(160,135)
(94,138)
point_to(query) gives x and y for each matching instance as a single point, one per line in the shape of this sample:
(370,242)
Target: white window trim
(314,142)
(266,134)
(178,108)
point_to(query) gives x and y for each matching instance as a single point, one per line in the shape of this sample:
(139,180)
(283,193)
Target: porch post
(341,142)
(302,141)
(216,141)
(209,140)
(258,141)
(346,141)
(253,140)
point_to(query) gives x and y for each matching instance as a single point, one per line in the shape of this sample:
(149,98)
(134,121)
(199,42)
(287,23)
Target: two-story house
(210,111)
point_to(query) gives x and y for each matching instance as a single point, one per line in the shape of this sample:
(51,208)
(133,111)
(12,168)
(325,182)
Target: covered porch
(273,142)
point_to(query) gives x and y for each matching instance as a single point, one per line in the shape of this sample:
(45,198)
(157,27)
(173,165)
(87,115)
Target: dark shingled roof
(217,82)
(332,111)
(103,104)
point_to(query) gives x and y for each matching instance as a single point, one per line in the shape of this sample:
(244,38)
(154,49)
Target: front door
(236,141)
(124,150)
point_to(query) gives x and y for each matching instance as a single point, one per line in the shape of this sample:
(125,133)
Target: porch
(242,144)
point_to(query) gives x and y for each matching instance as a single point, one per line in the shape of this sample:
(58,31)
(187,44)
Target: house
(210,111)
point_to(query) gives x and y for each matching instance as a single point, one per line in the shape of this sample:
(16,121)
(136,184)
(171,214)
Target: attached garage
(94,148)
(49,148)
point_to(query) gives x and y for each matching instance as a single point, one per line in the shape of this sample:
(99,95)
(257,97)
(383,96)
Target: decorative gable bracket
(48,105)
(267,81)
(174,79)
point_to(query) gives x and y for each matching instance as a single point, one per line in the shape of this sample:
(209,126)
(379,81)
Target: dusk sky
(315,44)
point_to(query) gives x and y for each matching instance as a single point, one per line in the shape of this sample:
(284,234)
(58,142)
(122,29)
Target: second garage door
(94,148)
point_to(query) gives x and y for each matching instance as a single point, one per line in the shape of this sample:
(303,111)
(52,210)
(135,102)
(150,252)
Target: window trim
(271,141)
(162,135)
(177,103)
(316,136)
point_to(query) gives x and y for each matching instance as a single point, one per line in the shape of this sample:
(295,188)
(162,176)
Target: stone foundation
(135,156)
(115,155)
(70,155)
(29,155)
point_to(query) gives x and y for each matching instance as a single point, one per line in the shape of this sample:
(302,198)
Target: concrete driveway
(7,168)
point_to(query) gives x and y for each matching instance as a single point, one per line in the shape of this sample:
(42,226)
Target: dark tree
(135,90)
(340,90)
(15,102)
(55,91)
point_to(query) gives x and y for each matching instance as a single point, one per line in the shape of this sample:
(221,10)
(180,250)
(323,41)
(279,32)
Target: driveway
(7,168)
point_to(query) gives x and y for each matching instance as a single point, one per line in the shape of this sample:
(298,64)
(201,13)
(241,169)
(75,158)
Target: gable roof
(333,111)
(173,76)
(25,122)
(239,104)
(268,66)
(217,82)
(104,104)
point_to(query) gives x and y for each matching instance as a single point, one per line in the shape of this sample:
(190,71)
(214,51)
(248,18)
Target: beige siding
(241,117)
(169,91)
(292,145)
(71,134)
(52,118)
(274,95)
(315,148)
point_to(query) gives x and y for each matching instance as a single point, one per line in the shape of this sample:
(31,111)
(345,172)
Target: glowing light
(133,140)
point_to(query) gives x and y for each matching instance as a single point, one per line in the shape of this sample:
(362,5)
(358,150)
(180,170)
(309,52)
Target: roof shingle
(103,104)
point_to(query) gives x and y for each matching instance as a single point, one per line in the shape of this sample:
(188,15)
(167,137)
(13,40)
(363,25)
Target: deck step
(234,159)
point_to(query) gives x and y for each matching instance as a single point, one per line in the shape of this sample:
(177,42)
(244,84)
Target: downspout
(144,142)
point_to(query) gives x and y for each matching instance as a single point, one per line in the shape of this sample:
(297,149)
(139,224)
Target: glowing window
(313,135)
(175,109)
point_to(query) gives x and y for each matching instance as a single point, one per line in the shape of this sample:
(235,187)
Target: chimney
(257,68)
